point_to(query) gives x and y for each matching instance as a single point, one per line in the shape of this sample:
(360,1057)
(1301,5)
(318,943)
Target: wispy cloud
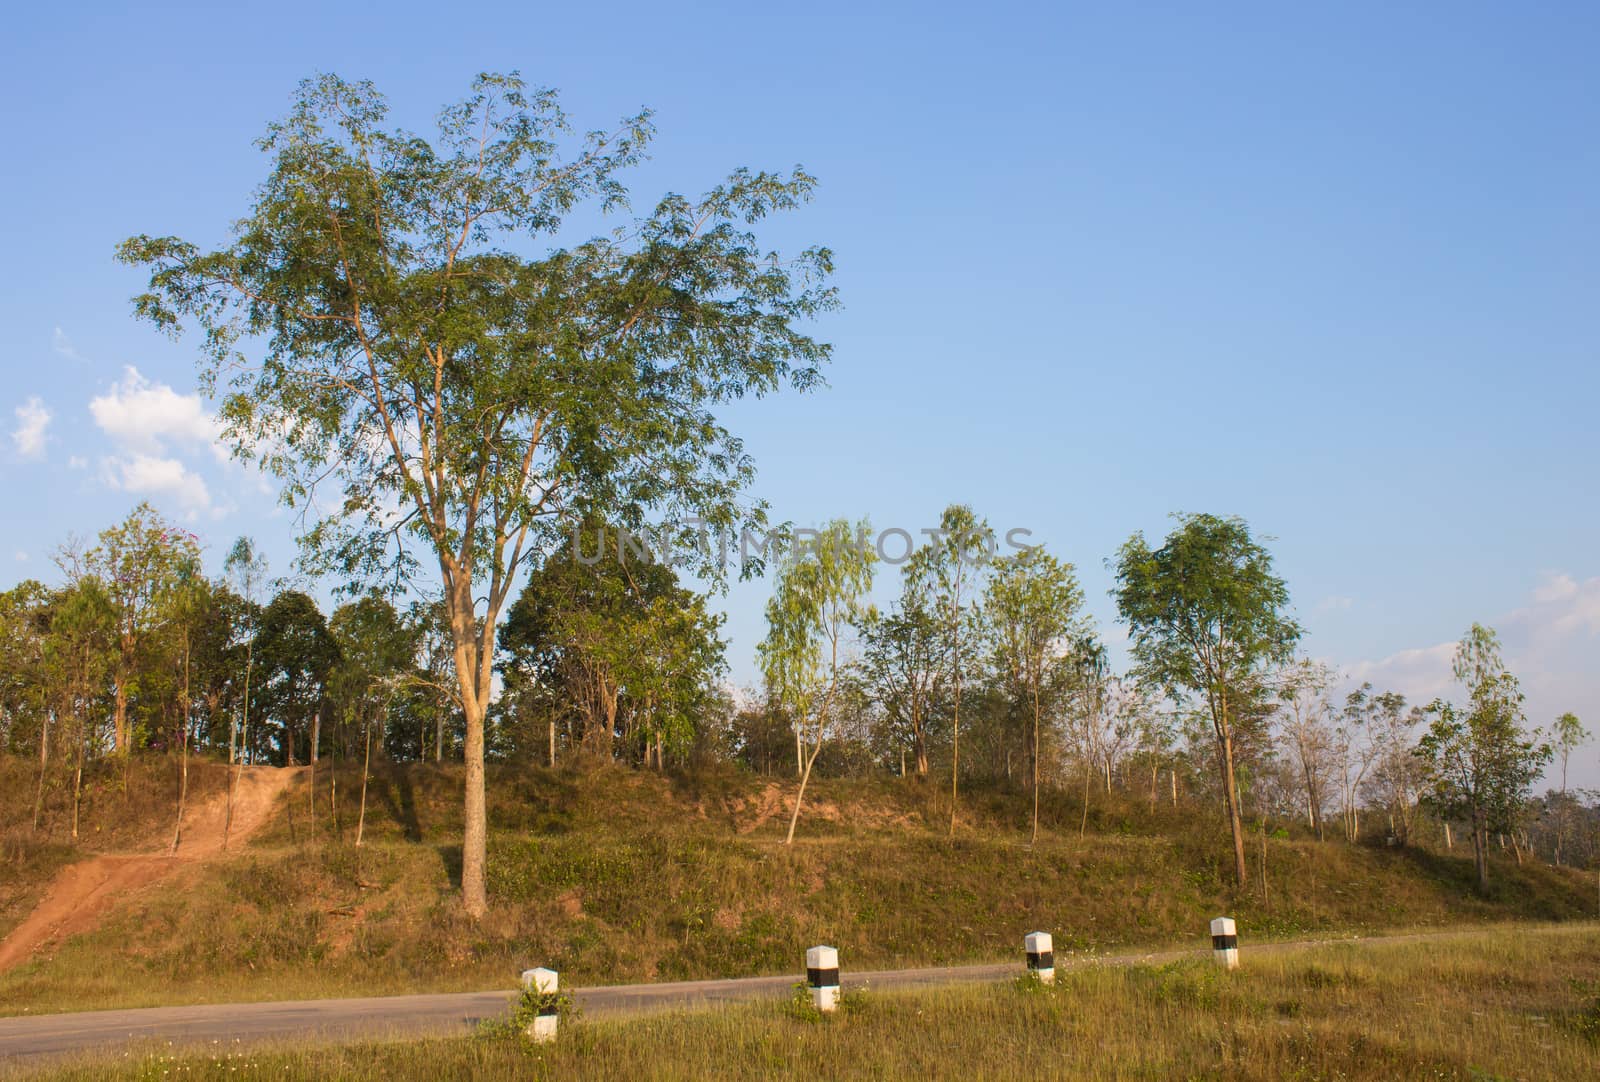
(62,345)
(33,419)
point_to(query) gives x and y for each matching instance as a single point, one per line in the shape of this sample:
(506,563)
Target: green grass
(1472,1007)
(616,876)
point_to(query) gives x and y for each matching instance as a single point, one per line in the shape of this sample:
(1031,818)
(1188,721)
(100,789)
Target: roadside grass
(1521,1004)
(613,876)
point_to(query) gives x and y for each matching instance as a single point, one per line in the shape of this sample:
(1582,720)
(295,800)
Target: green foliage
(529,1005)
(1205,611)
(608,647)
(820,591)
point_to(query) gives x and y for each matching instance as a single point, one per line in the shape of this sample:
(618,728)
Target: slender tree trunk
(366,772)
(1034,837)
(1231,794)
(183,749)
(44,764)
(77,780)
(244,741)
(800,794)
(316,741)
(955,747)
(1174,787)
(1083,821)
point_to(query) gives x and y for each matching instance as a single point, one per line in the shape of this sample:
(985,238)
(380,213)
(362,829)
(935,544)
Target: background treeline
(985,671)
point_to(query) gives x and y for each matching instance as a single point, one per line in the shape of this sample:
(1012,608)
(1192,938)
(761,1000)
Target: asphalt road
(24,1039)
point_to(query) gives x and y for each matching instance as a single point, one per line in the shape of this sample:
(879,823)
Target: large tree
(1206,616)
(393,320)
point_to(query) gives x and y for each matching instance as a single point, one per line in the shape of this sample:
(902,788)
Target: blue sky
(1334,271)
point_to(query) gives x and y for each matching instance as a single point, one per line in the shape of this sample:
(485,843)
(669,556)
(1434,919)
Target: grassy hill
(613,875)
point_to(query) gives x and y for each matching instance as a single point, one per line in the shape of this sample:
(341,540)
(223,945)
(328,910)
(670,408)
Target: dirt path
(84,892)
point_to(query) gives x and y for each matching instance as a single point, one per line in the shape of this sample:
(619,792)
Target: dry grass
(1479,1006)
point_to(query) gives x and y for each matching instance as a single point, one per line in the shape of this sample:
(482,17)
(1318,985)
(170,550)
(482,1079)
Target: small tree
(1206,617)
(1037,627)
(136,563)
(820,592)
(905,664)
(1569,736)
(1306,718)
(955,562)
(1478,765)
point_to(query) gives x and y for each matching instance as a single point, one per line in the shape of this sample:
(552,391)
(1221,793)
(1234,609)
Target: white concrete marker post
(1041,956)
(544,982)
(1225,943)
(822,977)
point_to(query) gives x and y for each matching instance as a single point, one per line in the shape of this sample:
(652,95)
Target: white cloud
(152,475)
(1421,674)
(149,422)
(144,417)
(77,462)
(22,557)
(63,345)
(29,435)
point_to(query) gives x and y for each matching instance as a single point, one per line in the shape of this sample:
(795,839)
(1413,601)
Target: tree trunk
(366,772)
(475,832)
(183,749)
(955,748)
(800,794)
(1480,850)
(244,740)
(311,788)
(119,721)
(1034,837)
(1231,794)
(44,763)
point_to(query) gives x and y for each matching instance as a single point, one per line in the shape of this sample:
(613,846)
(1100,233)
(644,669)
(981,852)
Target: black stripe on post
(1224,942)
(1042,960)
(549,1010)
(822,978)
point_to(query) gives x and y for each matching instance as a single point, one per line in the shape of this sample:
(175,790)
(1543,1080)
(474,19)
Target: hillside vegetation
(616,875)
